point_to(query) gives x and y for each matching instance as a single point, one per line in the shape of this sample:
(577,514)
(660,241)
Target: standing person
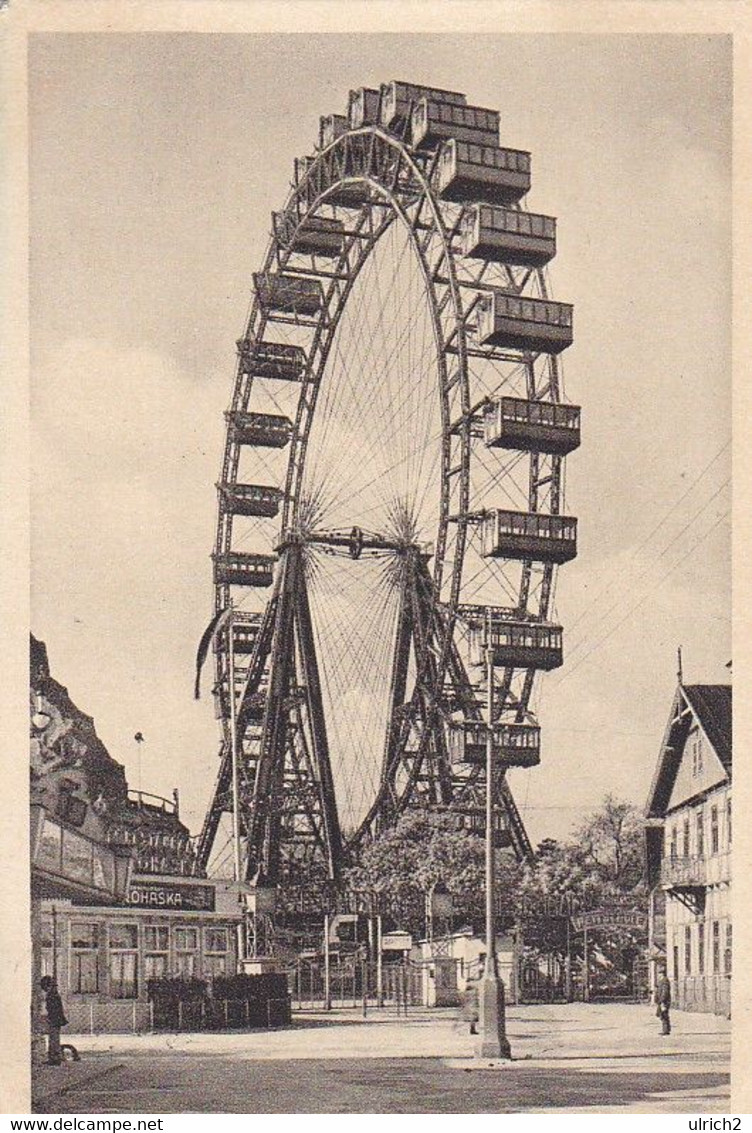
(55,1019)
(663,1001)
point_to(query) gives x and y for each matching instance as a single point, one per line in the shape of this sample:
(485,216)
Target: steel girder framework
(357,188)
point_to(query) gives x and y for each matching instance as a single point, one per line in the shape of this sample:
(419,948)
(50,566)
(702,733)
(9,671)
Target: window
(716,947)
(727,953)
(714,830)
(186,951)
(124,961)
(687,950)
(701,834)
(673,852)
(728,821)
(676,961)
(695,747)
(685,839)
(156,951)
(701,949)
(216,948)
(84,976)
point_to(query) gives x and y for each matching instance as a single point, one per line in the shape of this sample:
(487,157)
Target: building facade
(689,837)
(104,957)
(117,897)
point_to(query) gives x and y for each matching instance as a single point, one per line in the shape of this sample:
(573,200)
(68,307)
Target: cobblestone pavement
(572,1058)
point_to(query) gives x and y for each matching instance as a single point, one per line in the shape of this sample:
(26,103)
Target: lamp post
(492,1040)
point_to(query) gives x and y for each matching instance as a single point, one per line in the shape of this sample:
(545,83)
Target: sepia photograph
(380,638)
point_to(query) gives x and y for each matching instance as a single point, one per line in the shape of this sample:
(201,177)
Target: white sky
(155,161)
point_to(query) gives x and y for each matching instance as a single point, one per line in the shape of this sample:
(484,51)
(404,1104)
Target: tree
(612,839)
(400,867)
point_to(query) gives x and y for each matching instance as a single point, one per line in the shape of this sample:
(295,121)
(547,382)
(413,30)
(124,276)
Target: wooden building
(689,831)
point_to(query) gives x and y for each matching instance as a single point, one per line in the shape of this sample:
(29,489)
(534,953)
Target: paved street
(570,1058)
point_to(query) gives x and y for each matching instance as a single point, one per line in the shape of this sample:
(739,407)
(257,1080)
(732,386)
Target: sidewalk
(573,1056)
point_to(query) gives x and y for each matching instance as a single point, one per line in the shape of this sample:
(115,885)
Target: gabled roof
(710,706)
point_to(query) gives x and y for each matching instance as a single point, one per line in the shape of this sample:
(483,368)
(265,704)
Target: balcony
(684,872)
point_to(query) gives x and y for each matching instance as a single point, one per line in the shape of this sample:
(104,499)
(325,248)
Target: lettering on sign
(153,896)
(611,918)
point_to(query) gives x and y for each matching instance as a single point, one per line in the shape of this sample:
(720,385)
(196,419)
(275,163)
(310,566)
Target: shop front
(104,957)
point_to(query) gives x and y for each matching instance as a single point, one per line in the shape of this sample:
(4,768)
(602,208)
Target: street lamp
(492,1040)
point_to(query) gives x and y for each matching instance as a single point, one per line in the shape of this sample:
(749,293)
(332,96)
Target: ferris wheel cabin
(244,628)
(251,499)
(516,745)
(397,99)
(243,568)
(532,426)
(537,325)
(316,236)
(529,535)
(519,644)
(481,171)
(288,294)
(508,236)
(266,430)
(363,108)
(331,127)
(435,122)
(272,360)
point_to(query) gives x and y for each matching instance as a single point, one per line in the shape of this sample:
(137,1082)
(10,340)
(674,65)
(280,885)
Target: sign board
(396,942)
(611,918)
(170,895)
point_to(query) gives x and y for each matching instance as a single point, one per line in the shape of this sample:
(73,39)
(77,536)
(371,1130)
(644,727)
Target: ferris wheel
(391,499)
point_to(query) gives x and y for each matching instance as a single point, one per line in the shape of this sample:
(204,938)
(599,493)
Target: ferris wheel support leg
(264,832)
(315,705)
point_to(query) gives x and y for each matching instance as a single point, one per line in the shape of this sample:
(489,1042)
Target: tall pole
(237,863)
(327,968)
(492,1039)
(379,964)
(234,753)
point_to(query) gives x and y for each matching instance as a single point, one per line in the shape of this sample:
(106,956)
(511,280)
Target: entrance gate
(355,985)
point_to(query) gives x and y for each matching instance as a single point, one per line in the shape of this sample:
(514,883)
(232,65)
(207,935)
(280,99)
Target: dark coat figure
(663,1003)
(469,1010)
(55,1019)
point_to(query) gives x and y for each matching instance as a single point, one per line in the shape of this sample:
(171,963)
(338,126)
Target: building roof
(710,705)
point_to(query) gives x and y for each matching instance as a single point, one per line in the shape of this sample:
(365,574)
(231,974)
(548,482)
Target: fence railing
(355,986)
(136,1017)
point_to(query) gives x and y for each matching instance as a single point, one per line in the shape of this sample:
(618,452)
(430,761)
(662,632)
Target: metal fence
(355,985)
(136,1017)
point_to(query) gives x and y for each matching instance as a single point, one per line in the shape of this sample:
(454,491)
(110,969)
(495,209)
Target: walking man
(663,1001)
(55,1019)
